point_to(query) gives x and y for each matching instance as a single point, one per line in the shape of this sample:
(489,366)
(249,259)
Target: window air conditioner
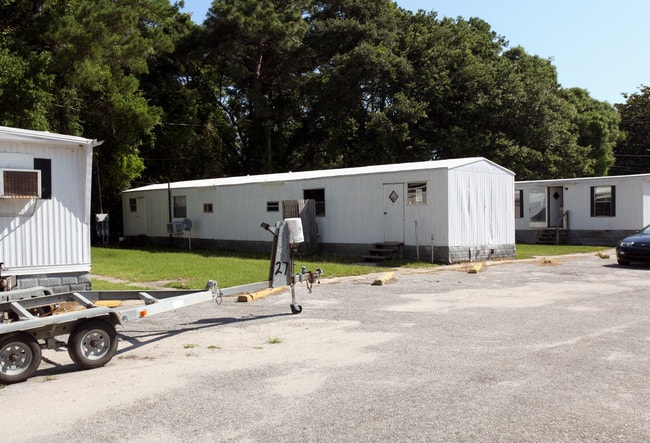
(20,183)
(175,227)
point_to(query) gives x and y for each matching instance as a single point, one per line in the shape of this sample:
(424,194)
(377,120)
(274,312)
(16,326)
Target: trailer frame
(29,321)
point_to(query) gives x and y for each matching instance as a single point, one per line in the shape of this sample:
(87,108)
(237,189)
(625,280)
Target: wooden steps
(552,236)
(383,252)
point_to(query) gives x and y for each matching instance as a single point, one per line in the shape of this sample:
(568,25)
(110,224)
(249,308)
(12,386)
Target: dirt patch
(547,261)
(160,284)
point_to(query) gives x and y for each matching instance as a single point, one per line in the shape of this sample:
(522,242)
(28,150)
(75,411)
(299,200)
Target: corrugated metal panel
(53,234)
(481,208)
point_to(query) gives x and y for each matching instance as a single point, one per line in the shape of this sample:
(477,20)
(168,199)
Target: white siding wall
(57,235)
(432,217)
(481,209)
(628,206)
(353,209)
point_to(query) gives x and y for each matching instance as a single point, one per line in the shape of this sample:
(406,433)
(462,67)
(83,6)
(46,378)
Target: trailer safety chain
(214,287)
(313,276)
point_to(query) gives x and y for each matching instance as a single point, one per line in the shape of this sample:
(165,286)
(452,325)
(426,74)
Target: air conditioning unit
(20,183)
(175,227)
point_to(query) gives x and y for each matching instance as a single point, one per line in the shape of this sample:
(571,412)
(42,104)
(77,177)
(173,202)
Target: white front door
(141,216)
(555,206)
(394,199)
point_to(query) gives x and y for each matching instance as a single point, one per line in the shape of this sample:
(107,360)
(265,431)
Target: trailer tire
(20,356)
(92,344)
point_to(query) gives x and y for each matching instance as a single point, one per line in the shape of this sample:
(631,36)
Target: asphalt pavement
(543,350)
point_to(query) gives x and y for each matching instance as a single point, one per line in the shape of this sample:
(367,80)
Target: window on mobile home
(519,207)
(45,166)
(537,207)
(207,208)
(603,201)
(180,206)
(272,206)
(318,195)
(417,193)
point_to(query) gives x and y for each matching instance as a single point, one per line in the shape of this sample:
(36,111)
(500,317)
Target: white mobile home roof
(306,175)
(559,181)
(8,134)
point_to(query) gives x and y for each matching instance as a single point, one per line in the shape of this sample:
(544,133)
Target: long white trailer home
(445,211)
(590,211)
(45,187)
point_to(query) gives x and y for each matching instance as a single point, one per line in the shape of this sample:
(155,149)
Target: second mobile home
(590,211)
(447,210)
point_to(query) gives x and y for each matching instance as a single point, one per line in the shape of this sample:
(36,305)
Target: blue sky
(601,46)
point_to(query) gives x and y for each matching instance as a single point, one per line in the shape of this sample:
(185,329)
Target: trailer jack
(287,236)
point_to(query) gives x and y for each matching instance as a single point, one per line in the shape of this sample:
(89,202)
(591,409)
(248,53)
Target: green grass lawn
(192,269)
(528,251)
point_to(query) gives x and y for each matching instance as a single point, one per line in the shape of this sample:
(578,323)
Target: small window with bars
(417,193)
(180,206)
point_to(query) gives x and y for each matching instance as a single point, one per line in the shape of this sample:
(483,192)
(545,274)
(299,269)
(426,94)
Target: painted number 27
(279,265)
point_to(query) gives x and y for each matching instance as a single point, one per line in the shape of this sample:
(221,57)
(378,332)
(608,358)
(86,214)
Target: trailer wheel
(20,355)
(92,344)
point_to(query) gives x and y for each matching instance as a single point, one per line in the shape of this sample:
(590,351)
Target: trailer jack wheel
(20,355)
(92,344)
(296,309)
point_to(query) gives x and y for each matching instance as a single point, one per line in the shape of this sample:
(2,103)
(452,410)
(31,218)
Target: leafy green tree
(539,122)
(25,81)
(194,137)
(598,128)
(356,110)
(484,99)
(276,85)
(74,67)
(99,50)
(455,63)
(633,153)
(257,63)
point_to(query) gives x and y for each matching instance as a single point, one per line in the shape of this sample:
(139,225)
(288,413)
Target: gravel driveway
(538,350)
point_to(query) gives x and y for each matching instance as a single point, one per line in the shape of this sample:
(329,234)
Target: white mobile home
(45,183)
(590,211)
(448,211)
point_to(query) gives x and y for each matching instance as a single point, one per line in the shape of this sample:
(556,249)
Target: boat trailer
(30,319)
